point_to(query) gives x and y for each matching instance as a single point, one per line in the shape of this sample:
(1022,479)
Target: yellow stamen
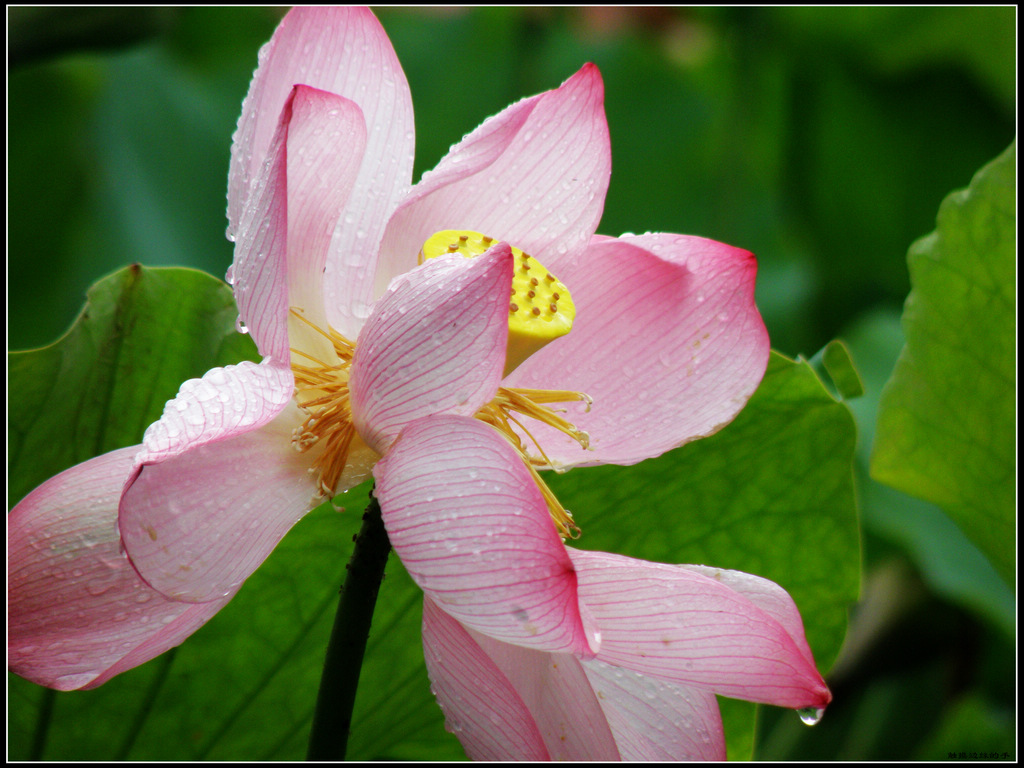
(529,402)
(321,391)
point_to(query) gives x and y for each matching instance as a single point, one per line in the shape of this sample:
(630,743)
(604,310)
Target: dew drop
(811,715)
(70,682)
(240,326)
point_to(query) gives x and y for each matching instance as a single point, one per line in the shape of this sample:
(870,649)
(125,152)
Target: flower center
(321,391)
(540,311)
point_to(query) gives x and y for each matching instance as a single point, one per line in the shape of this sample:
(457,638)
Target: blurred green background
(823,140)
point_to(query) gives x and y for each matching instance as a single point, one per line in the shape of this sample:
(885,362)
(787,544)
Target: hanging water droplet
(240,326)
(811,715)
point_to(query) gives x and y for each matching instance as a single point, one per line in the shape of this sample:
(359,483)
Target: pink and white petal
(674,624)
(558,693)
(259,271)
(224,403)
(480,705)
(535,175)
(77,612)
(325,148)
(285,230)
(343,51)
(667,341)
(474,532)
(196,525)
(655,720)
(434,344)
(766,595)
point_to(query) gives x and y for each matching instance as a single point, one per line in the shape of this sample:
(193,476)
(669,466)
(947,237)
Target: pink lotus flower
(448,381)
(566,654)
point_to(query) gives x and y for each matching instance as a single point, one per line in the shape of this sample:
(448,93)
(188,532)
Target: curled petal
(535,175)
(766,595)
(696,348)
(326,143)
(474,532)
(77,612)
(285,229)
(434,344)
(259,272)
(655,720)
(343,51)
(224,403)
(197,524)
(671,623)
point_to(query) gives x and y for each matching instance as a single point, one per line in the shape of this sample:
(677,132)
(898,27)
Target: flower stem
(332,718)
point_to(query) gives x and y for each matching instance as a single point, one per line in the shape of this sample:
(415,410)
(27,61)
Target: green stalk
(332,719)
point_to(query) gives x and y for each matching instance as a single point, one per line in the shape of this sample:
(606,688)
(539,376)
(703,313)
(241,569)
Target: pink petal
(671,623)
(505,702)
(78,614)
(480,705)
(766,595)
(259,272)
(343,51)
(558,694)
(326,142)
(434,344)
(224,403)
(197,524)
(474,532)
(667,341)
(655,720)
(534,175)
(285,229)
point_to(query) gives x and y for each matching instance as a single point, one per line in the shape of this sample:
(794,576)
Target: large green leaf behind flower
(142,333)
(946,423)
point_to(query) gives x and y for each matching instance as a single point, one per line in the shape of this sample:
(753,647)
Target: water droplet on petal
(240,326)
(811,715)
(70,682)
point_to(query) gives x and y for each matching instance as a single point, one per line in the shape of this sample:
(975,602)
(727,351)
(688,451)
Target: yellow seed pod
(540,308)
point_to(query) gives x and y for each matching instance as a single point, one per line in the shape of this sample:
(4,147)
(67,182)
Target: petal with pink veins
(474,532)
(434,344)
(197,524)
(224,403)
(78,613)
(325,148)
(534,175)
(558,694)
(285,230)
(671,623)
(259,271)
(766,595)
(481,707)
(654,720)
(505,702)
(343,51)
(667,341)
